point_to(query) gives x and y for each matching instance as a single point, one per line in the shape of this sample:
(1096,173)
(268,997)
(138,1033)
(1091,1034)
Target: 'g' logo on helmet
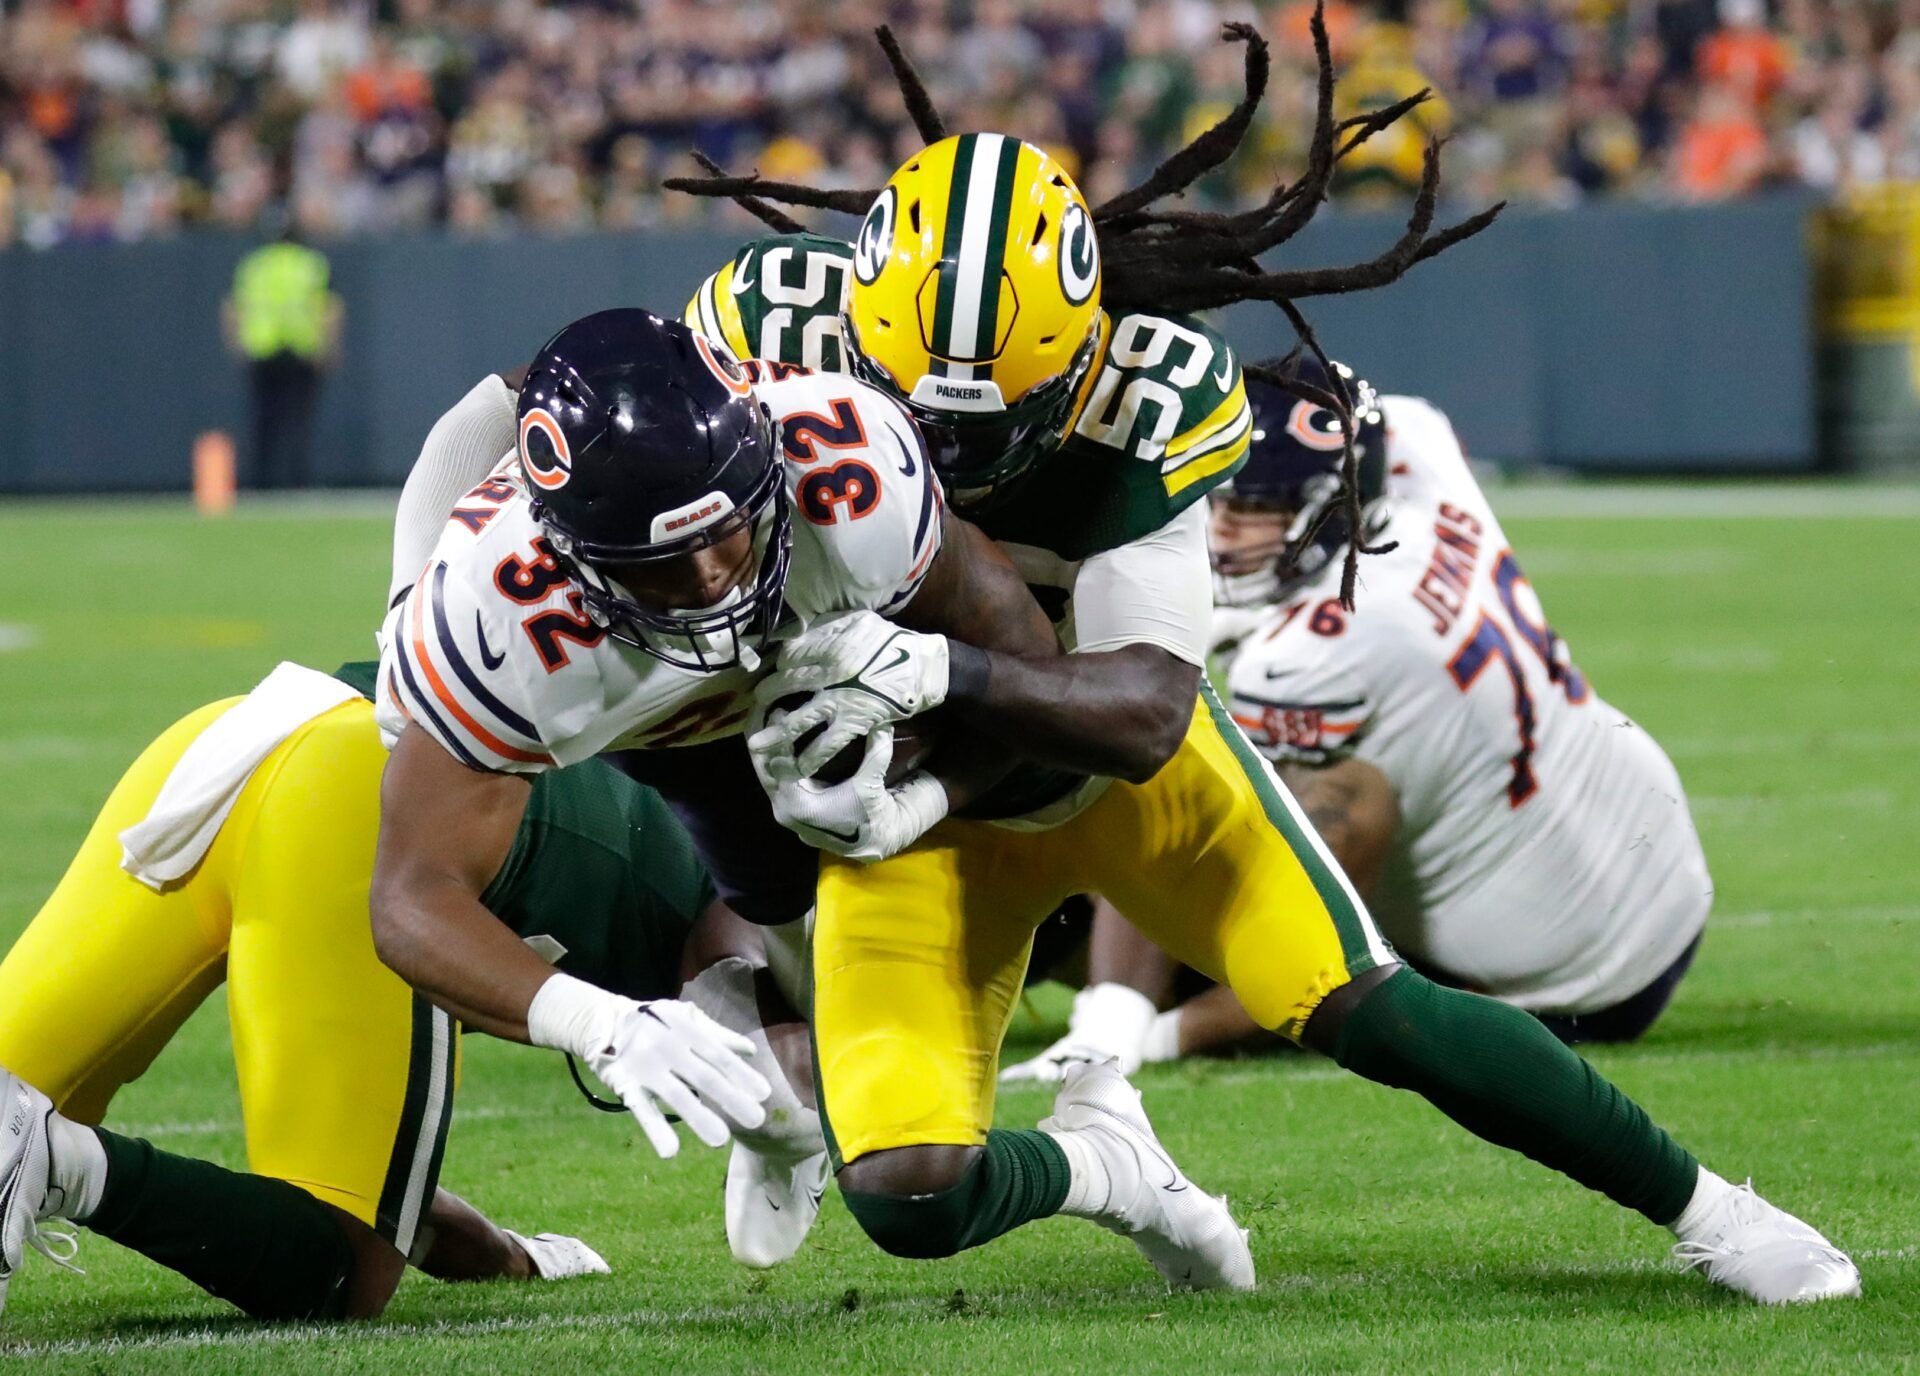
(1079,255)
(1315,426)
(875,240)
(543,450)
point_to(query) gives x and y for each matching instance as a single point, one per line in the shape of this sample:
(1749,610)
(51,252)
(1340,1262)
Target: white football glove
(864,673)
(861,817)
(556,1256)
(659,1057)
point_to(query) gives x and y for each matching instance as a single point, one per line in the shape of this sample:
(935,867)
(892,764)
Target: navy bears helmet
(1293,469)
(641,441)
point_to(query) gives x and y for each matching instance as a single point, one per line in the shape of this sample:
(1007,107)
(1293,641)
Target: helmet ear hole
(1040,228)
(913,216)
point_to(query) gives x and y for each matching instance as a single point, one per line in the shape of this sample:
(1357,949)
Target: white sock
(1113,1016)
(79,1169)
(1708,1191)
(1163,1039)
(1089,1186)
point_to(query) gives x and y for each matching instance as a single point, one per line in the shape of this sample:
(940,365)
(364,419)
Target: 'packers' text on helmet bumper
(975,302)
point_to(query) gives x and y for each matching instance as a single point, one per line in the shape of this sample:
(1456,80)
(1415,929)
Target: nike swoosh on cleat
(487,656)
(1173,1185)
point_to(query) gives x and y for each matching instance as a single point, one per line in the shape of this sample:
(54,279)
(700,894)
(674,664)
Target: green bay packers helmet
(975,302)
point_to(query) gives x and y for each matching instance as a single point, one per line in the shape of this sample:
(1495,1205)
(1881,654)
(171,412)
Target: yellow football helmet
(975,301)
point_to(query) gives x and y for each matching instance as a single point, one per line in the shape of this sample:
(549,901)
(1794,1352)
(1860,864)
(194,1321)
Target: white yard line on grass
(1773,1053)
(1865,912)
(1706,501)
(1791,740)
(1272,1071)
(241,1335)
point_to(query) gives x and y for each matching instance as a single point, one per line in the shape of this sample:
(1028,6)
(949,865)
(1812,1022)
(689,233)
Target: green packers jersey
(1165,418)
(601,877)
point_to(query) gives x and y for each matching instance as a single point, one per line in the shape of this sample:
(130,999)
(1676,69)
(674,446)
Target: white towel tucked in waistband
(194,802)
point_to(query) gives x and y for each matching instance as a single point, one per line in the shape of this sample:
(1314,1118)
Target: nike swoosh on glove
(863,671)
(663,1056)
(860,818)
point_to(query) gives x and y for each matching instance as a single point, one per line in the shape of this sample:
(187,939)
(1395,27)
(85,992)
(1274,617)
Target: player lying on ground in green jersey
(238,848)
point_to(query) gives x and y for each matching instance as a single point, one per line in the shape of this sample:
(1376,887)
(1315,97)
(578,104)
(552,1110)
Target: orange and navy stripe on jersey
(1308,731)
(447,697)
(926,529)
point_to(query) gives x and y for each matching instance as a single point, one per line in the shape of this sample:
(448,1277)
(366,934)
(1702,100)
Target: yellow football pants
(346,1078)
(918,959)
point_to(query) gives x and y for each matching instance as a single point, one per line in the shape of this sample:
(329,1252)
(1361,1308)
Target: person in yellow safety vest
(285,322)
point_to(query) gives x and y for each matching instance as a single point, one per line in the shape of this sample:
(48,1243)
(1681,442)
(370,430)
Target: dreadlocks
(1184,261)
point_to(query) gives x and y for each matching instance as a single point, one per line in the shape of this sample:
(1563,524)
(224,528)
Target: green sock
(1498,1073)
(259,1243)
(1019,1176)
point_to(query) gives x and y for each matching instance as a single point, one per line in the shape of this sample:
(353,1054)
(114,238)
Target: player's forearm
(467,1245)
(1120,712)
(455,953)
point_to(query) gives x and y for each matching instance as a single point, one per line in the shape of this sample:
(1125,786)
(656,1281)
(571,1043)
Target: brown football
(913,742)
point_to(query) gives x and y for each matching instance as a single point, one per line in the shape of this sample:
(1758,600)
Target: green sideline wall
(1616,338)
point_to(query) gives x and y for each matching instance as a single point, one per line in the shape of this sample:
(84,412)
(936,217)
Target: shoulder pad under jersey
(491,652)
(779,300)
(1298,684)
(1168,395)
(866,505)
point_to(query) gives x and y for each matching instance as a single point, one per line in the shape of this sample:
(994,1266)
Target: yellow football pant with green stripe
(346,1079)
(918,959)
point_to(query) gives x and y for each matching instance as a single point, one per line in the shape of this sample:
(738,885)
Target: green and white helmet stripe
(967,306)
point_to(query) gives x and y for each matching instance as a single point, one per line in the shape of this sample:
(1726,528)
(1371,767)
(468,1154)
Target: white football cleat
(26,1172)
(1188,1234)
(771,1204)
(556,1256)
(1767,1254)
(1109,1022)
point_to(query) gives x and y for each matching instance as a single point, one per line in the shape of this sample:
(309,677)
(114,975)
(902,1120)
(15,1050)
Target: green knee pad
(1018,1177)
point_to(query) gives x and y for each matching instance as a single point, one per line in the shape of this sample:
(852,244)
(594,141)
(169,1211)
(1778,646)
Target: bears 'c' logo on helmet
(875,240)
(1314,426)
(543,450)
(723,366)
(1079,255)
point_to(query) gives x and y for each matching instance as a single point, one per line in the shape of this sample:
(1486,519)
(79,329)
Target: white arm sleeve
(1157,590)
(460,451)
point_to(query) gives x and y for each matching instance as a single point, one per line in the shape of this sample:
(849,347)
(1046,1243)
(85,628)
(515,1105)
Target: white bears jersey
(493,654)
(1546,854)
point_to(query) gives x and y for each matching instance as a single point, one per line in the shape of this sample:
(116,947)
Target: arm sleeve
(1157,590)
(461,449)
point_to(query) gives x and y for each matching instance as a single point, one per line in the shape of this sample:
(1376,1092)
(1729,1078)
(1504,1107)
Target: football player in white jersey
(616,586)
(1513,833)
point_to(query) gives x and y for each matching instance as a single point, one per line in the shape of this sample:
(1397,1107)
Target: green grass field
(1775,657)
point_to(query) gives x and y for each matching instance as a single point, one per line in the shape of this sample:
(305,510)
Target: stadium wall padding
(1612,338)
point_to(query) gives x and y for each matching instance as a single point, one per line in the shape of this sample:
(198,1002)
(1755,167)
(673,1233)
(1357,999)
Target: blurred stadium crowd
(126,119)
